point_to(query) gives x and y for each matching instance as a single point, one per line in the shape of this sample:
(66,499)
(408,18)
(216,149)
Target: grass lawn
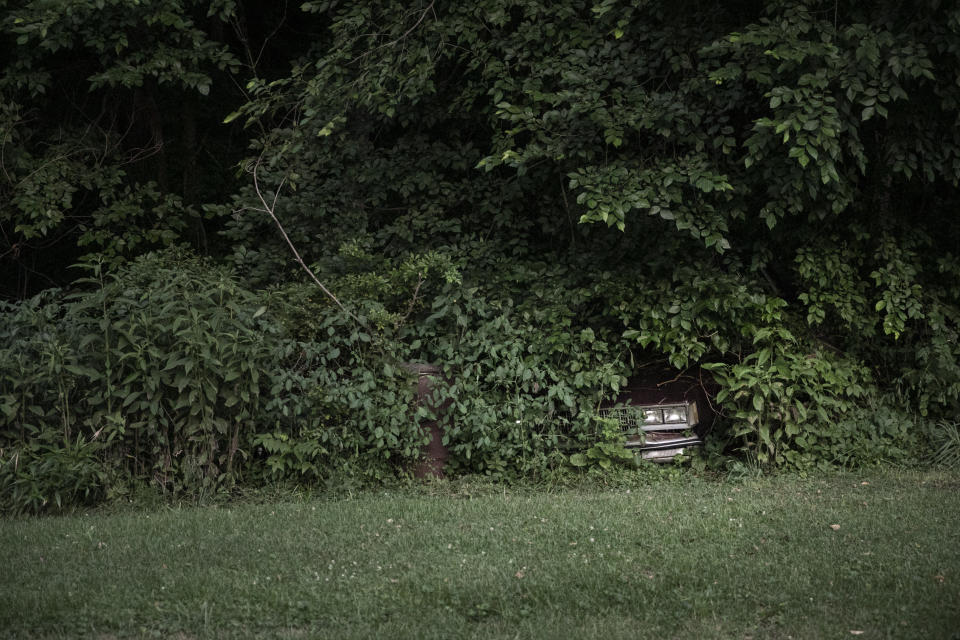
(683,558)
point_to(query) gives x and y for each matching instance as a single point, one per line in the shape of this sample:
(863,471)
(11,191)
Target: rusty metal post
(434,454)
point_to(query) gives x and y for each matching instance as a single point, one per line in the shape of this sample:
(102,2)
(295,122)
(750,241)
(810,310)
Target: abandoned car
(662,417)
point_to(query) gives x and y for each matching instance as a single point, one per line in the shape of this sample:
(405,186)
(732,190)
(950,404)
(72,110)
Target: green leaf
(578,460)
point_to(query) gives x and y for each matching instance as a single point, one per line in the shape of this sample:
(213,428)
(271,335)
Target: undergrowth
(169,372)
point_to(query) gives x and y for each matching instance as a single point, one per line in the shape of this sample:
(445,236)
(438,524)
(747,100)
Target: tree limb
(270,209)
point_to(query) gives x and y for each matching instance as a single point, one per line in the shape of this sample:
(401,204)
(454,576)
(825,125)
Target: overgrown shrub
(167,370)
(529,354)
(520,383)
(764,164)
(38,474)
(338,403)
(157,370)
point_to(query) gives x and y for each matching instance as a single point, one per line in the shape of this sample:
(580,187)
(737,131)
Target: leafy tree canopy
(807,150)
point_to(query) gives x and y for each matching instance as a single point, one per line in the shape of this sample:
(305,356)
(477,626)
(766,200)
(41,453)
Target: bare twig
(240,31)
(423,14)
(679,375)
(566,209)
(270,209)
(706,394)
(413,301)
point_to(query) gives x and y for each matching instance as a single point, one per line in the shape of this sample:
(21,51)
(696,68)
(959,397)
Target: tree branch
(270,209)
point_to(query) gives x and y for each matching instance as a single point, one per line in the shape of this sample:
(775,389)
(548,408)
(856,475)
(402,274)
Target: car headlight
(675,415)
(652,416)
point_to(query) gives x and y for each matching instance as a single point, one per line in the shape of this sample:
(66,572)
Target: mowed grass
(668,559)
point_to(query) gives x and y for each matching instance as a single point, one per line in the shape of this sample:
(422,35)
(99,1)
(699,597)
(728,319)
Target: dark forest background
(543,198)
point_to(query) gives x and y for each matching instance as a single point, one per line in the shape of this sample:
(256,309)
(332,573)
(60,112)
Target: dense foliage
(541,198)
(108,126)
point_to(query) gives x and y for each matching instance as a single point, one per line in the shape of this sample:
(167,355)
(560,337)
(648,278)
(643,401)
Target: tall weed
(156,371)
